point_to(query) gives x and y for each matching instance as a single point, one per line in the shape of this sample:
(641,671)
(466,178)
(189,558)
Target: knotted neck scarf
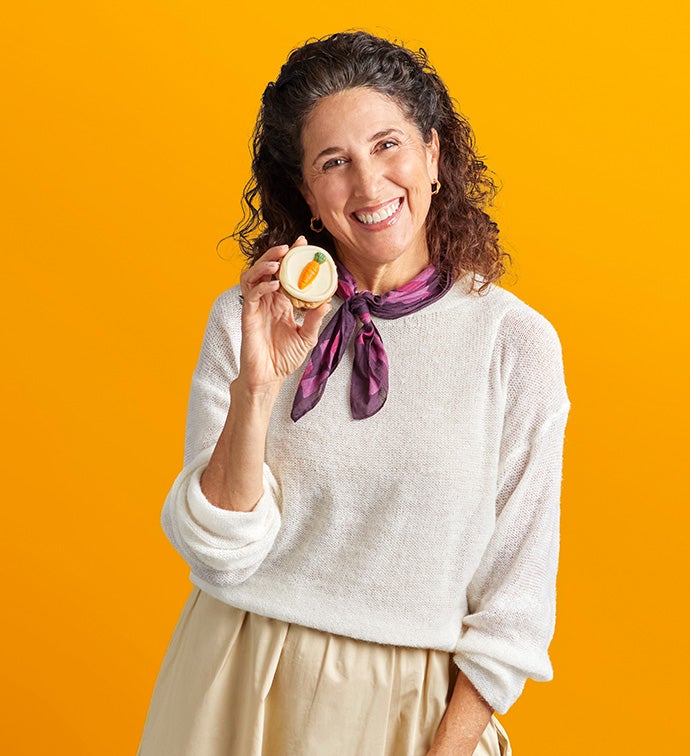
(369,383)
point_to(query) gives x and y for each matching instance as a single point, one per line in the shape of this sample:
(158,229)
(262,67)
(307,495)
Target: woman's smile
(367,176)
(380,217)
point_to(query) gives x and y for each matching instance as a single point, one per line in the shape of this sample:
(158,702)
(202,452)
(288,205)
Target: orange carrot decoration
(311,270)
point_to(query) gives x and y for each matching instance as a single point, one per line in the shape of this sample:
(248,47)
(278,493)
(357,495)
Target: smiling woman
(373,547)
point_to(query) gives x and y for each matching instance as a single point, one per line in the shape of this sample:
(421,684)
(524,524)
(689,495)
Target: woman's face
(368,175)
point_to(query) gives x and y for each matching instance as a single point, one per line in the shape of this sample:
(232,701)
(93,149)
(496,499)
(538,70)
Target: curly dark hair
(461,236)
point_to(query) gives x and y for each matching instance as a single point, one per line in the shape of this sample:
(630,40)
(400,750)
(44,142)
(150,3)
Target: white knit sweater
(432,524)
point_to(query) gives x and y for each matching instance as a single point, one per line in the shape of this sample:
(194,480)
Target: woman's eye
(333,163)
(388,144)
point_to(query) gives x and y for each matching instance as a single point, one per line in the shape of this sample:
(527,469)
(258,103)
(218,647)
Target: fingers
(274,253)
(258,281)
(301,241)
(254,293)
(254,280)
(312,322)
(260,271)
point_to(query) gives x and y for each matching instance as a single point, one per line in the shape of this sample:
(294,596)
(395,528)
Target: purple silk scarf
(369,383)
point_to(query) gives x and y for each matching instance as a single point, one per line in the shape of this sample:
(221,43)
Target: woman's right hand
(273,344)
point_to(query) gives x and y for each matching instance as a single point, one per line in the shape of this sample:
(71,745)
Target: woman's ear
(433,150)
(309,198)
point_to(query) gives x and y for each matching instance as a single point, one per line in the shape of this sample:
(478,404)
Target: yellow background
(124,151)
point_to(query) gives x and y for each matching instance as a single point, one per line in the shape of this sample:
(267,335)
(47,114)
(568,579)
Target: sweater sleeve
(511,597)
(221,547)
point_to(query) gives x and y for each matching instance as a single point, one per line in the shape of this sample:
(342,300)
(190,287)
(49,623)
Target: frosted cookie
(308,276)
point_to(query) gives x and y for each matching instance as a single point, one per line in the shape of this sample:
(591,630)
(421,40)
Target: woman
(374,546)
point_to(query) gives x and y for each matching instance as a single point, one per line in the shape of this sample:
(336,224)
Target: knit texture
(433,523)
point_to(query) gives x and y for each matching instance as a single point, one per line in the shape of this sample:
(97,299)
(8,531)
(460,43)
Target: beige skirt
(235,683)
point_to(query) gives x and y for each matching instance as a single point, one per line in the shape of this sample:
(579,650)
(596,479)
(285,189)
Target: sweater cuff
(235,528)
(498,682)
(500,688)
(221,546)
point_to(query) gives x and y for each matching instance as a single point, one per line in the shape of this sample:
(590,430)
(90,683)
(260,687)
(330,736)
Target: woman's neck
(384,277)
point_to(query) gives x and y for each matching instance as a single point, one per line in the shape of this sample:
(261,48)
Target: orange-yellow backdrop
(124,153)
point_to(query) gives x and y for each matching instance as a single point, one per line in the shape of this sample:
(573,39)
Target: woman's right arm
(223,511)
(273,347)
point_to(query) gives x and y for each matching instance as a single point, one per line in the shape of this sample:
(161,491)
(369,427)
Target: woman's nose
(367,179)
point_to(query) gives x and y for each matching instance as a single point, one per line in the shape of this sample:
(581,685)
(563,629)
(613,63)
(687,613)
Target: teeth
(379,215)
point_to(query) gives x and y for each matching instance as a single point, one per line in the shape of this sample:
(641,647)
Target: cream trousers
(237,684)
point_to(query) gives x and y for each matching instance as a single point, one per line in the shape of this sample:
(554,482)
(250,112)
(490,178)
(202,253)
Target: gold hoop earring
(313,227)
(436,187)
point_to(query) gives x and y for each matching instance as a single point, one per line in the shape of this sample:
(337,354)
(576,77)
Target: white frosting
(321,288)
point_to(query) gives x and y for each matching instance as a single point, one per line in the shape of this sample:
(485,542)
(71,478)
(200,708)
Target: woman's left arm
(462,725)
(511,597)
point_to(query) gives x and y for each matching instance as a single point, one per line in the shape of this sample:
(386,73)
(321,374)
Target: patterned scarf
(369,383)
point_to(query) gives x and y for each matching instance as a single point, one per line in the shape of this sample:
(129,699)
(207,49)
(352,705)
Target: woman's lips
(382,216)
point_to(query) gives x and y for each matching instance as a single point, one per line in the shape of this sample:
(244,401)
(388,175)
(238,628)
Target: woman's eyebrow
(384,133)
